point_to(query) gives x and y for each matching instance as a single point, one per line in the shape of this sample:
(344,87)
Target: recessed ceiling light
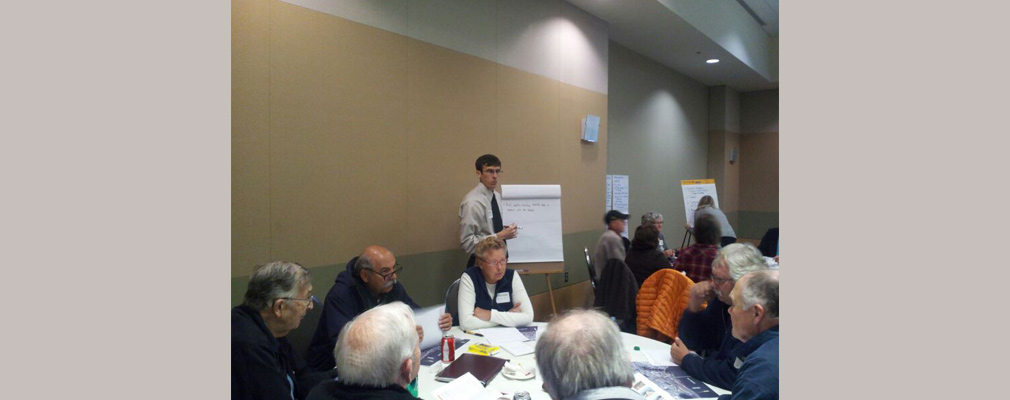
(712,60)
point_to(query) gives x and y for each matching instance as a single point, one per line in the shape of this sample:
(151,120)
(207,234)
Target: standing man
(479,213)
(611,245)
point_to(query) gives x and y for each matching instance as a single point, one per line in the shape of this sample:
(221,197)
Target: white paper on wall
(621,201)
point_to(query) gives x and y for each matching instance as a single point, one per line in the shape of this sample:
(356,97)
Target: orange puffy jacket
(660,303)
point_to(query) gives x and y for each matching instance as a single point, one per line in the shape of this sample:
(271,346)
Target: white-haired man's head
(755,306)
(379,348)
(733,262)
(582,350)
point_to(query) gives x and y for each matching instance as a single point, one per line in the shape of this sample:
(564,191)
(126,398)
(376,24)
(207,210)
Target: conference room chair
(660,304)
(592,272)
(452,301)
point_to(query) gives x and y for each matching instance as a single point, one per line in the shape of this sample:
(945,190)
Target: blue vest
(480,288)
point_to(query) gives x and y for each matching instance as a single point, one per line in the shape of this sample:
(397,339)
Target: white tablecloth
(426,377)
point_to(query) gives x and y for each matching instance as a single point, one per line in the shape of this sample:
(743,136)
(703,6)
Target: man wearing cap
(610,245)
(479,213)
(368,281)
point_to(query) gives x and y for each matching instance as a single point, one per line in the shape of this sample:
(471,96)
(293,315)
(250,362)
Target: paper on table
(659,358)
(497,336)
(427,318)
(467,387)
(518,348)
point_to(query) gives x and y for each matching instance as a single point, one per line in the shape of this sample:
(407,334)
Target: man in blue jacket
(368,281)
(710,329)
(755,314)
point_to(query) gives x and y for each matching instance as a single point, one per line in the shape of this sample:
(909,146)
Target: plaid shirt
(696,261)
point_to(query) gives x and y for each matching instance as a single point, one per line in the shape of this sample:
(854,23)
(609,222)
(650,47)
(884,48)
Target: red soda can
(448,348)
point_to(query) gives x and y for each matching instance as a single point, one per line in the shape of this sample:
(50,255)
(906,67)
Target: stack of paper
(659,358)
(510,339)
(467,387)
(518,348)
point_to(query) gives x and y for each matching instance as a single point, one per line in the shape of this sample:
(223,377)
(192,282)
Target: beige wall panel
(338,123)
(250,172)
(759,176)
(583,165)
(452,113)
(527,127)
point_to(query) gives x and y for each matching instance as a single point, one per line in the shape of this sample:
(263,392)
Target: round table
(426,377)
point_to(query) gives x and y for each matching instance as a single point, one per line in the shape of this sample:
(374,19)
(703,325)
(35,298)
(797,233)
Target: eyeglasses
(496,263)
(311,299)
(720,281)
(388,275)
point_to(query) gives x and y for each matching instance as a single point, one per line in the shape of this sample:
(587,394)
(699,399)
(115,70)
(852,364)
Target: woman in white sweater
(491,294)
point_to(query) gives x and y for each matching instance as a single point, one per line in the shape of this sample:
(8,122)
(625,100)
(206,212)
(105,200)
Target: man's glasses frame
(387,276)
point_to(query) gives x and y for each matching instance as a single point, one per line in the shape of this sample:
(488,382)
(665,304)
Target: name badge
(503,297)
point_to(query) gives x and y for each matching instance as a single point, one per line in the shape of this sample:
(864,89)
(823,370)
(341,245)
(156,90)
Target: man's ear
(405,369)
(478,173)
(277,307)
(363,275)
(759,313)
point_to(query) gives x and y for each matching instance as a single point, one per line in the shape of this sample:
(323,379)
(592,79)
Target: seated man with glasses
(263,363)
(368,281)
(711,328)
(491,294)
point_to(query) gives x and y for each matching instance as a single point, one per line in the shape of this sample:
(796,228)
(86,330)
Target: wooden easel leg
(551,292)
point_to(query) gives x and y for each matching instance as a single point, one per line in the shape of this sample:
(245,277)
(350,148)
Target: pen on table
(473,333)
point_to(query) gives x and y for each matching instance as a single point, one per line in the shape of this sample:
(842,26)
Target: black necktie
(496,215)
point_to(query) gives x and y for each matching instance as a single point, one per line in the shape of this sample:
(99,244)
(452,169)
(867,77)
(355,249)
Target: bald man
(368,281)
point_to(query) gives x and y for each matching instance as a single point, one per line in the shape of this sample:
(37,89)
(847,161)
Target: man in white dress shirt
(479,213)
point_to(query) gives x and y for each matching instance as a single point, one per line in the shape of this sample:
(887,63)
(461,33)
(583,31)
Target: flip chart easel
(546,268)
(694,190)
(536,210)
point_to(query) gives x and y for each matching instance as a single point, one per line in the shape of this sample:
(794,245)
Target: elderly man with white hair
(710,328)
(263,363)
(377,356)
(755,314)
(581,357)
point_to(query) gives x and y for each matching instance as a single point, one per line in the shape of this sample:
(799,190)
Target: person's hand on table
(482,314)
(420,333)
(678,350)
(669,253)
(516,307)
(701,292)
(445,322)
(509,232)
